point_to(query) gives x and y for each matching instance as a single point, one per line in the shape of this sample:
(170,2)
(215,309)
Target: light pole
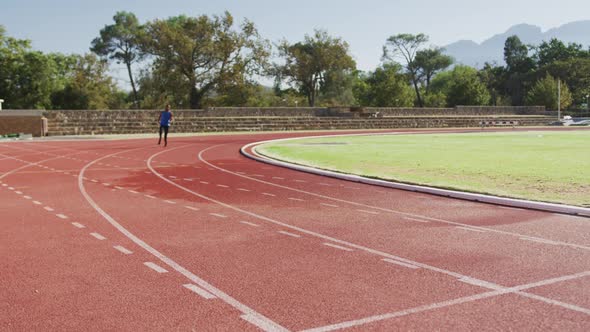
(587,105)
(2,100)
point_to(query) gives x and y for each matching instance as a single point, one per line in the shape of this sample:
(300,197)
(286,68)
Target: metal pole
(558,99)
(2,100)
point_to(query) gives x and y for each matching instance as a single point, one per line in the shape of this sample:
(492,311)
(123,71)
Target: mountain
(492,50)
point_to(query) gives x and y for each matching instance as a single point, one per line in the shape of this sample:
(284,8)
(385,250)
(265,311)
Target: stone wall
(26,122)
(460,110)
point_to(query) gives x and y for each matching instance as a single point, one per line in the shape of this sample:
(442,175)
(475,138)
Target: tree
(461,86)
(430,62)
(406,46)
(89,87)
(516,56)
(309,63)
(494,78)
(387,86)
(556,50)
(545,93)
(205,52)
(121,42)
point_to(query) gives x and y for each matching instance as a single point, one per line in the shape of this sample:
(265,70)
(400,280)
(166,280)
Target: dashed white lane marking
(269,194)
(37,203)
(416,219)
(98,236)
(539,240)
(289,234)
(78,225)
(400,263)
(470,229)
(336,246)
(188,180)
(296,199)
(278,178)
(204,182)
(242,189)
(106,184)
(48,208)
(18,192)
(132,191)
(27,197)
(11,188)
(300,181)
(172,177)
(330,205)
(93,180)
(170,202)
(367,211)
(263,324)
(155,267)
(123,250)
(258,175)
(198,290)
(150,196)
(249,223)
(218,215)
(4,185)
(325,184)
(120,188)
(61,216)
(222,186)
(191,208)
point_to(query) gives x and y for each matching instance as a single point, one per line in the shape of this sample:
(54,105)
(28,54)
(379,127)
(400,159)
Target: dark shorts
(164,128)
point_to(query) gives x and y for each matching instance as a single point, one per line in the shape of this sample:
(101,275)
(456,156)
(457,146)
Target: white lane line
(155,267)
(470,229)
(296,199)
(48,208)
(218,215)
(191,208)
(149,196)
(120,188)
(467,299)
(37,203)
(27,197)
(416,220)
(400,263)
(4,185)
(18,192)
(11,188)
(204,182)
(106,184)
(93,180)
(132,191)
(249,223)
(170,202)
(198,290)
(269,194)
(189,180)
(289,234)
(366,211)
(300,181)
(78,225)
(256,175)
(242,189)
(265,325)
(325,184)
(98,236)
(123,250)
(330,205)
(539,241)
(222,186)
(336,246)
(61,216)
(278,178)
(477,282)
(172,177)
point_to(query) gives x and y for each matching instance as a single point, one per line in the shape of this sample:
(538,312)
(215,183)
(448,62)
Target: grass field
(542,166)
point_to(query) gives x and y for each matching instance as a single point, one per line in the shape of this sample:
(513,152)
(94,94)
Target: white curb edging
(518,203)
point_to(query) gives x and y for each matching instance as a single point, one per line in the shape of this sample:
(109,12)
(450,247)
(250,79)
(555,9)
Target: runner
(164,120)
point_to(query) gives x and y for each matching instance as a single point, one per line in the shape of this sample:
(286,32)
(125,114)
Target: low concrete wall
(26,122)
(460,110)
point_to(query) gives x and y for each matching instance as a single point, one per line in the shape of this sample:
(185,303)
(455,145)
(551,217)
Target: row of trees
(195,62)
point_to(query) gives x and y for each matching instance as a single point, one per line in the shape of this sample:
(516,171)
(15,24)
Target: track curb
(249,151)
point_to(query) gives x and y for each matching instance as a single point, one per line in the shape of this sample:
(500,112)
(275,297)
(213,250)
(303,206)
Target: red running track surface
(127,235)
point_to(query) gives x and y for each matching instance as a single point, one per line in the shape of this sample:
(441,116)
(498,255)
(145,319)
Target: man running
(164,120)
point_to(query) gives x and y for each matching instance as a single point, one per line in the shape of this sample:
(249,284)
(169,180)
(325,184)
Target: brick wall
(27,122)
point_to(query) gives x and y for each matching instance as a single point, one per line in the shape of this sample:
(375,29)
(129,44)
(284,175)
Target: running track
(126,235)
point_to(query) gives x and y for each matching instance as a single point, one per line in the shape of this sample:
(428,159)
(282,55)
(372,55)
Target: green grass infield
(549,166)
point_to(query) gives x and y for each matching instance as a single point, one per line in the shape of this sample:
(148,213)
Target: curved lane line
(405,214)
(272,326)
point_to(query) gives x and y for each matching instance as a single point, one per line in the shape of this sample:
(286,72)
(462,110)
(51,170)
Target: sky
(68,26)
